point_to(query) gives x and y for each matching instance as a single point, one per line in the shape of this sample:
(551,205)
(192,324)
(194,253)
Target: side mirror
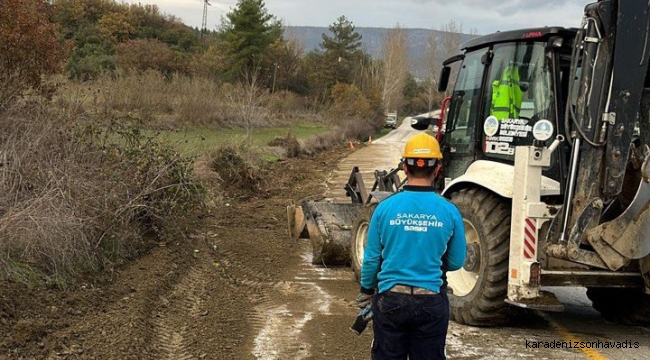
(446,71)
(444,78)
(420,123)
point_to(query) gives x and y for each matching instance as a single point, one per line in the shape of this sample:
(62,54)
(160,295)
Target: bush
(239,170)
(146,54)
(324,141)
(360,129)
(76,198)
(284,103)
(289,143)
(29,47)
(159,101)
(349,101)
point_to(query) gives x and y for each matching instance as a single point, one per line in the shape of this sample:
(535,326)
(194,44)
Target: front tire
(480,287)
(360,236)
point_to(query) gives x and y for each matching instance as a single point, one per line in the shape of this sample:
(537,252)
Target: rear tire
(480,287)
(625,306)
(360,236)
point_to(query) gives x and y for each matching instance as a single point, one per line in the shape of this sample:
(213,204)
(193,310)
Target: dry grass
(77,198)
(83,188)
(180,100)
(149,95)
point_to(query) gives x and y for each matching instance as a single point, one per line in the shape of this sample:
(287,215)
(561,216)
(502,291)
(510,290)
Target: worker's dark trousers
(409,325)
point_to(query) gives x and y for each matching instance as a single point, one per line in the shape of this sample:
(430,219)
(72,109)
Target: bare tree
(395,67)
(451,38)
(246,97)
(451,41)
(370,79)
(432,68)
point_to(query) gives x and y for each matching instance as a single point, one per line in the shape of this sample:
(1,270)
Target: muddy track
(278,302)
(291,304)
(186,300)
(238,289)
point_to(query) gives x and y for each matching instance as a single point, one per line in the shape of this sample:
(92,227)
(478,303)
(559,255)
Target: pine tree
(246,35)
(342,51)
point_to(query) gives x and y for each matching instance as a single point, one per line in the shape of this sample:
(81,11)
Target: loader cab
(506,84)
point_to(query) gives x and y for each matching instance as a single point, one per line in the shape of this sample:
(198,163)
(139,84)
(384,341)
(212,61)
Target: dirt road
(241,289)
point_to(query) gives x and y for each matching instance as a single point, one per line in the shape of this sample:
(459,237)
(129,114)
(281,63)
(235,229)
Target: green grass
(199,140)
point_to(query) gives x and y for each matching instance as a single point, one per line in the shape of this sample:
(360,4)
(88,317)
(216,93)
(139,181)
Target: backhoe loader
(545,153)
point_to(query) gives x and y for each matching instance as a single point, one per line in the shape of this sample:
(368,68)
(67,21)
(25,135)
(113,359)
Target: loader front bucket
(327,226)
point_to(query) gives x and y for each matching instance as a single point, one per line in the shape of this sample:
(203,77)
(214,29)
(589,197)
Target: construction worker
(414,237)
(507,95)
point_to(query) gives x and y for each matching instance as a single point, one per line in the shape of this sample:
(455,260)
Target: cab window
(466,98)
(519,94)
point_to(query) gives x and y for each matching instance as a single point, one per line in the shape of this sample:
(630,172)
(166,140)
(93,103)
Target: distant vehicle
(391,120)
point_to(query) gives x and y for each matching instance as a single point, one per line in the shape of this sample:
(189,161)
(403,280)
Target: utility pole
(275,72)
(204,26)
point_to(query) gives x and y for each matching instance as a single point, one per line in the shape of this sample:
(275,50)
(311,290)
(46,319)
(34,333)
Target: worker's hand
(363,300)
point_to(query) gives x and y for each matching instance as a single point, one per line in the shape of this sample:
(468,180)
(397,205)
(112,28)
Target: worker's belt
(411,290)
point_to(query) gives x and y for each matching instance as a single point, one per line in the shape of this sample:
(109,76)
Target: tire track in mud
(184,302)
(280,336)
(282,308)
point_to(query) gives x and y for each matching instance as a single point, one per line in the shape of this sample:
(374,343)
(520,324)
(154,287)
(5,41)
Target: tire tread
(485,305)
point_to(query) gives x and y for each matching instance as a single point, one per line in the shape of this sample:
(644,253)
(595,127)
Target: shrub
(349,101)
(146,54)
(76,198)
(285,102)
(359,128)
(159,101)
(238,169)
(289,143)
(29,47)
(324,141)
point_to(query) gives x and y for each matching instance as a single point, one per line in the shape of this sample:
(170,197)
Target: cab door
(501,92)
(459,142)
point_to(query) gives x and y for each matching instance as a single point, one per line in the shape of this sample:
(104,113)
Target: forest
(87,40)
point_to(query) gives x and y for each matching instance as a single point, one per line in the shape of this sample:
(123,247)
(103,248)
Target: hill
(372,39)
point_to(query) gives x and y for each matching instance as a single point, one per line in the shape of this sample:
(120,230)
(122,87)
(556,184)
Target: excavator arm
(605,219)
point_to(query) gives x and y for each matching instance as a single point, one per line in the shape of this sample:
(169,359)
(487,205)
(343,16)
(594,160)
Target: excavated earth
(240,288)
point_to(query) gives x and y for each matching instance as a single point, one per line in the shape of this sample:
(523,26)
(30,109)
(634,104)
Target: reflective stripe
(507,95)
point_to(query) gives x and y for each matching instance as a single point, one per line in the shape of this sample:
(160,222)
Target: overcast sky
(483,15)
